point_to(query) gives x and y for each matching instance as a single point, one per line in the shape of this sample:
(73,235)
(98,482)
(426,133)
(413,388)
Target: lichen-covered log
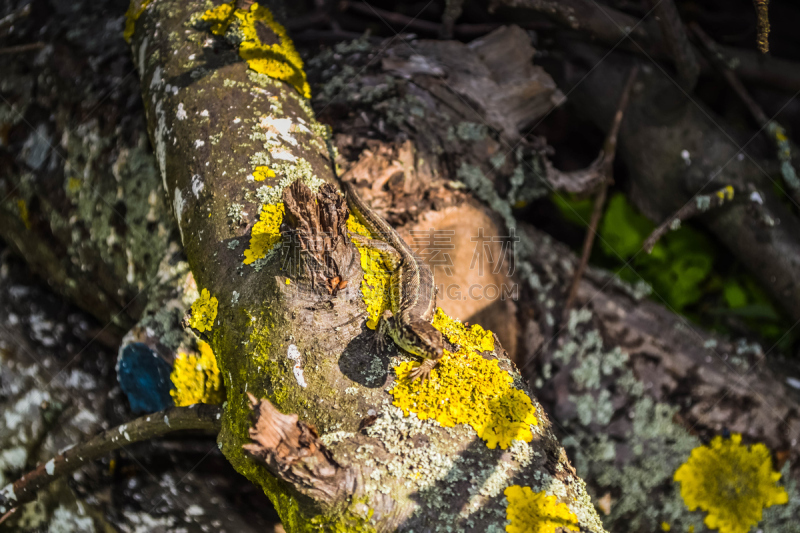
(78,182)
(81,195)
(248,171)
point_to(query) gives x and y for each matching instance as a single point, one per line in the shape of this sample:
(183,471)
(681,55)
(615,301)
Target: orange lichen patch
(536,512)
(135,10)
(731,482)
(266,233)
(466,388)
(204,311)
(196,377)
(277,59)
(375,285)
(261,173)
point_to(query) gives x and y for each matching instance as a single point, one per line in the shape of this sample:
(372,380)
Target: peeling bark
(292,451)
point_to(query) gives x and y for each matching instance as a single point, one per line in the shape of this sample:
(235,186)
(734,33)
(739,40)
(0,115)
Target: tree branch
(677,41)
(762,12)
(250,175)
(195,417)
(699,205)
(609,26)
(606,164)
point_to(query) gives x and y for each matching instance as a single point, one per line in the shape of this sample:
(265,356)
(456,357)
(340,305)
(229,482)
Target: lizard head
(430,343)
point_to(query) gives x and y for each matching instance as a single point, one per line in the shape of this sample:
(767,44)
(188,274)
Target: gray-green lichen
(629,454)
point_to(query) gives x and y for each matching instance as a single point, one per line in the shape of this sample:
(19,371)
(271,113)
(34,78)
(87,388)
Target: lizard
(411,288)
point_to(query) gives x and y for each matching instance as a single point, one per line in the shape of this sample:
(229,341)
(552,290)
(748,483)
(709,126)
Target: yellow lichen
(265,234)
(536,512)
(466,388)
(731,482)
(220,18)
(196,377)
(74,185)
(475,338)
(375,285)
(725,193)
(135,10)
(204,311)
(277,60)
(261,173)
(24,215)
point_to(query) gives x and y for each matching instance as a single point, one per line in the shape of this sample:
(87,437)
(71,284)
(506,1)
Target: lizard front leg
(385,327)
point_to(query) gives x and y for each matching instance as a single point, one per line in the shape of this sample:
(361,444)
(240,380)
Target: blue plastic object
(144,378)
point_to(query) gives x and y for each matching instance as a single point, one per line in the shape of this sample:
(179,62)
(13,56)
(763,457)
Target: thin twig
(717,58)
(8,515)
(9,20)
(700,204)
(22,48)
(608,155)
(677,42)
(432,28)
(201,417)
(762,14)
(452,10)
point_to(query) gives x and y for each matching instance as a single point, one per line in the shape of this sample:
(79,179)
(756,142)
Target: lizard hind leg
(423,371)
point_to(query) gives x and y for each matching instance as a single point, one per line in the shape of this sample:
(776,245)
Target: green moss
(685,269)
(355,519)
(245,365)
